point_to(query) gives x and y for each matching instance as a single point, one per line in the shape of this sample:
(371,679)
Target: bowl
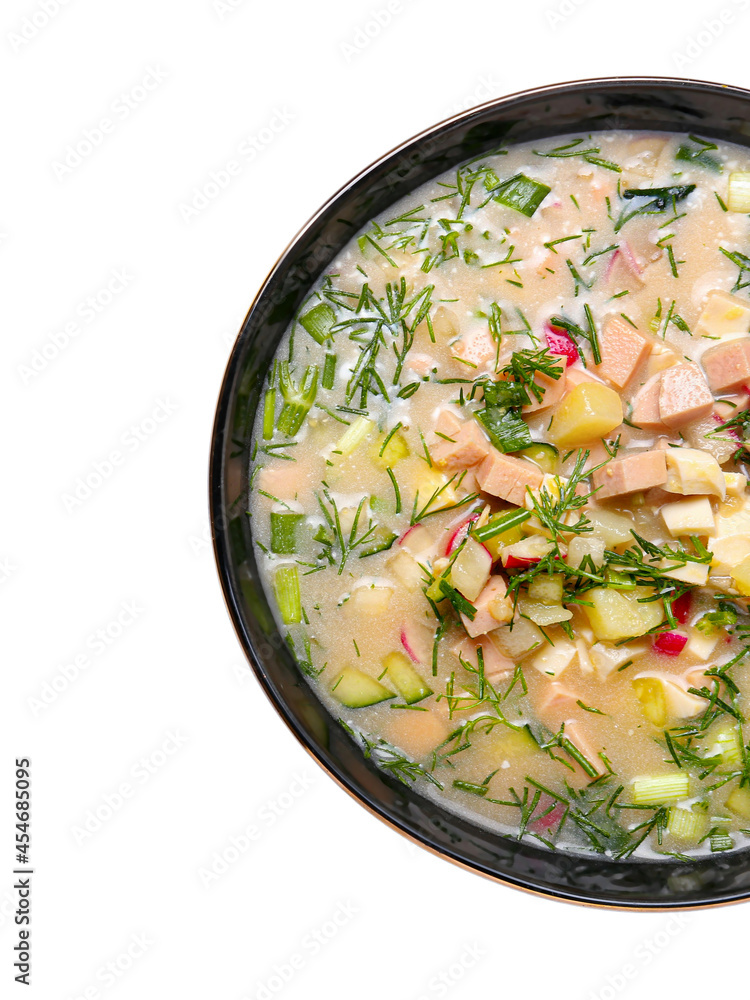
(663,104)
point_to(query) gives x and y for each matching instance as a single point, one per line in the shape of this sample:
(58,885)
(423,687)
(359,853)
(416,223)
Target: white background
(159,727)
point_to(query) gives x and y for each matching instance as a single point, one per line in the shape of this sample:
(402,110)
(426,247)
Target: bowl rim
(216,467)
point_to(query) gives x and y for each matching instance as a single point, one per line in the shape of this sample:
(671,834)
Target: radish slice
(459,534)
(417,640)
(670,643)
(416,539)
(471,569)
(559,341)
(681,607)
(527,552)
(552,818)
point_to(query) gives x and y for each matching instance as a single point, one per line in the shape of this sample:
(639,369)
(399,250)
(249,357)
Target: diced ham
(497,667)
(574,732)
(556,701)
(622,349)
(554,389)
(646,412)
(576,376)
(468,447)
(684,395)
(475,347)
(493,608)
(631,473)
(507,477)
(421,364)
(448,424)
(727,366)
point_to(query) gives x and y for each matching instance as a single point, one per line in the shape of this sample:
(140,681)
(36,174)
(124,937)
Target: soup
(499,499)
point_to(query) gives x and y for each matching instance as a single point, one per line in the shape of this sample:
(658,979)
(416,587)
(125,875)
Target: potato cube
(553,660)
(723,313)
(691,471)
(591,410)
(614,615)
(741,576)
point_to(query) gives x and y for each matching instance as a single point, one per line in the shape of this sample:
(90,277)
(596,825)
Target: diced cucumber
(739,801)
(380,540)
(356,689)
(546,456)
(409,684)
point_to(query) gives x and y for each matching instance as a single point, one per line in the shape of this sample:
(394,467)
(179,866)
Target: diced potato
(406,570)
(591,410)
(582,546)
(546,589)
(614,528)
(738,191)
(728,553)
(691,471)
(723,313)
(517,640)
(553,660)
(689,517)
(417,733)
(551,485)
(431,482)
(739,801)
(445,324)
(370,601)
(736,484)
(616,616)
(544,614)
(393,452)
(650,693)
(741,576)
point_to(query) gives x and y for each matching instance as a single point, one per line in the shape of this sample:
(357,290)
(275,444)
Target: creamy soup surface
(498,492)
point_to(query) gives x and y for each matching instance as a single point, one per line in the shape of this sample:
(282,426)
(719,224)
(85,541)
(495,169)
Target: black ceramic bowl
(631,103)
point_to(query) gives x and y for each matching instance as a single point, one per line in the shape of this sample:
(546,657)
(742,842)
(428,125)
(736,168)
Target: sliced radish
(525,553)
(416,539)
(560,342)
(471,569)
(670,643)
(459,534)
(417,640)
(729,431)
(681,607)
(552,818)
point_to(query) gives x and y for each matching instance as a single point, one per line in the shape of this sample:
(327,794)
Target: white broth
(499,497)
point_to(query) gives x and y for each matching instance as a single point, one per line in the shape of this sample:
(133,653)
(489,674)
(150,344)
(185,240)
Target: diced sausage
(448,424)
(497,667)
(727,366)
(622,349)
(631,473)
(469,446)
(554,389)
(493,608)
(475,348)
(575,376)
(507,477)
(646,412)
(684,395)
(556,701)
(574,732)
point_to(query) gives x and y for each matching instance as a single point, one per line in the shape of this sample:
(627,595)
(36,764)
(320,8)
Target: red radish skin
(515,563)
(729,431)
(560,342)
(459,534)
(681,607)
(670,643)
(417,641)
(552,818)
